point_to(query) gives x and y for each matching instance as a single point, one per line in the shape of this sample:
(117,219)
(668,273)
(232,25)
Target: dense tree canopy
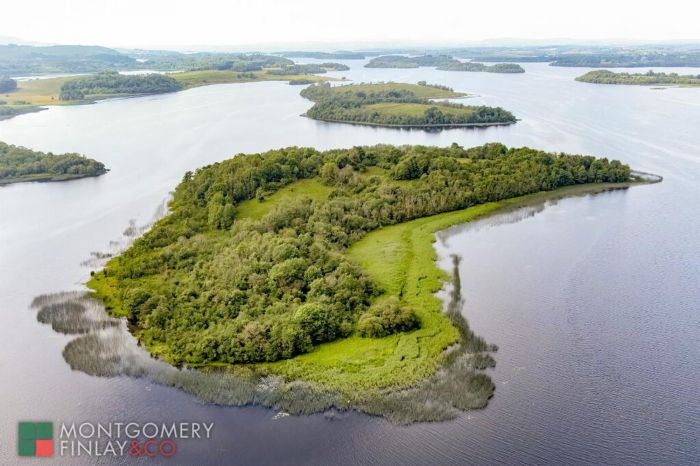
(309,68)
(206,285)
(21,164)
(113,83)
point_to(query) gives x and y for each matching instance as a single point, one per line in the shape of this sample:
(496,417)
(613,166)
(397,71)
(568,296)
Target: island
(311,275)
(649,78)
(309,68)
(480,67)
(398,105)
(19,164)
(441,62)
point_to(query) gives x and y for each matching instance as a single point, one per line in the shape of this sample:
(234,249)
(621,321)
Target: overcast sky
(174,23)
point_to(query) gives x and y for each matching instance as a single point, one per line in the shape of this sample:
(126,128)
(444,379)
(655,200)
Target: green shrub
(386,318)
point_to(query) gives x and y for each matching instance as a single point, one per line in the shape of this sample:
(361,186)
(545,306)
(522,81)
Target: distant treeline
(645,79)
(309,69)
(113,83)
(7,84)
(22,164)
(342,55)
(400,61)
(441,62)
(480,67)
(628,60)
(21,60)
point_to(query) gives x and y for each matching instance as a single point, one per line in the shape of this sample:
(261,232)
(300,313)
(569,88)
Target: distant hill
(17,60)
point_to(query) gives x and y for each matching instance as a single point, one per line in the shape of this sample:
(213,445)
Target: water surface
(593,301)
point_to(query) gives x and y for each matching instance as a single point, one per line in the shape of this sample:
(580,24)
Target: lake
(593,301)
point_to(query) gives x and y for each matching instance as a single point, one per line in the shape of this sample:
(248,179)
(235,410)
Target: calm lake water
(593,301)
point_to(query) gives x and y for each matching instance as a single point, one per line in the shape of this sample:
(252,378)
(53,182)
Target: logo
(35,439)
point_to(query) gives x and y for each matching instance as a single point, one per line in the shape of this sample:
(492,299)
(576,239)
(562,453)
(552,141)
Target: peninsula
(19,164)
(318,268)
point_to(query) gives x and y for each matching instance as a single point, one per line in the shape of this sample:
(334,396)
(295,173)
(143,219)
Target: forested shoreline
(113,83)
(19,164)
(205,286)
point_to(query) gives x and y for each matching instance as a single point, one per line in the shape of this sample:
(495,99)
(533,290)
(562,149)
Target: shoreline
(440,126)
(47,179)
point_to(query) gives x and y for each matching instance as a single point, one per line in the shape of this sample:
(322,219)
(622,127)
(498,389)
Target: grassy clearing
(423,92)
(416,110)
(38,92)
(191,79)
(254,209)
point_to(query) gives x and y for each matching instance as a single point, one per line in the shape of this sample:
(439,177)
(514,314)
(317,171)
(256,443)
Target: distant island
(441,62)
(398,105)
(480,67)
(313,68)
(649,78)
(317,268)
(402,61)
(19,164)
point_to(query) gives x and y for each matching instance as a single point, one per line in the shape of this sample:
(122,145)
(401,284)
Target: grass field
(417,110)
(206,77)
(38,92)
(423,92)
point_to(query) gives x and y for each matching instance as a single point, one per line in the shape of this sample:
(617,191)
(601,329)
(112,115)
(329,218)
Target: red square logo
(44,447)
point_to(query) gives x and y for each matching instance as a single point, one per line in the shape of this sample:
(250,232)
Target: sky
(305,23)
